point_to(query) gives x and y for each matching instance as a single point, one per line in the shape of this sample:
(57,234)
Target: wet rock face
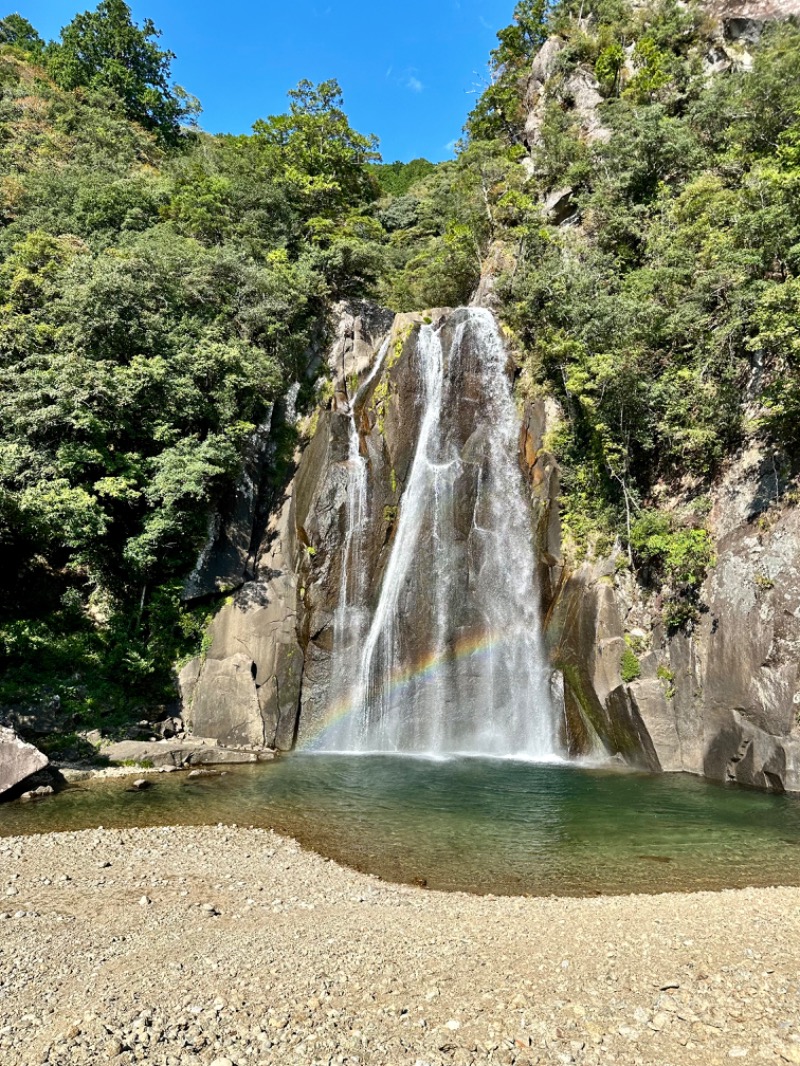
(387,420)
(18,760)
(274,638)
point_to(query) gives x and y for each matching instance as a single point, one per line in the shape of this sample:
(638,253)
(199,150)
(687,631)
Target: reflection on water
(477,825)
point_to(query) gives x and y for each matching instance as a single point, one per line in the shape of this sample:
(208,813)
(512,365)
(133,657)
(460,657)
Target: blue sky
(408,70)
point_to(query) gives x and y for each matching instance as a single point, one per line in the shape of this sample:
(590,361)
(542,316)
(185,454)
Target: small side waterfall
(450,659)
(351,616)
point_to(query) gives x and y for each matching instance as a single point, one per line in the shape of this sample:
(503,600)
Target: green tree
(105,49)
(318,150)
(498,112)
(17,31)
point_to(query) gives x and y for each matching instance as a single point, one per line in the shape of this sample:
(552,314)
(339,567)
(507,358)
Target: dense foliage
(160,290)
(663,315)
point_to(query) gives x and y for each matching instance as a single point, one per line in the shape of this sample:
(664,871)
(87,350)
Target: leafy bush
(630,669)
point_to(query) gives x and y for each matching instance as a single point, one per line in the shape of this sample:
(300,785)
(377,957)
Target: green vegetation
(667,678)
(160,289)
(396,179)
(629,666)
(665,316)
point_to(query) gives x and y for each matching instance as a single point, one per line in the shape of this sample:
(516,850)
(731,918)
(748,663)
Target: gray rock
(177,753)
(18,760)
(37,793)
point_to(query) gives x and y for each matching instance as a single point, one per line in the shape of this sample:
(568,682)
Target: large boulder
(18,760)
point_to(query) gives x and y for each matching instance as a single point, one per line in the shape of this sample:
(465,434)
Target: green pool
(477,825)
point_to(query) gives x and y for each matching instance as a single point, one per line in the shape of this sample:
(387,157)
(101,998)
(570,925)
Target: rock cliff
(721,700)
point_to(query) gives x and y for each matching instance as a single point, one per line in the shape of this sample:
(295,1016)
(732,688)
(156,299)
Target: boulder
(18,760)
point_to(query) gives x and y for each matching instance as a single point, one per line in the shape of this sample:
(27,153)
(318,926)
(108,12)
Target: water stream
(450,659)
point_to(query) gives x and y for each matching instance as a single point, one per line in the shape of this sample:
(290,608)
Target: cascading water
(351,616)
(451,658)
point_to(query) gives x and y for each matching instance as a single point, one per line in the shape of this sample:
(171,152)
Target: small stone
(222,1062)
(737,1053)
(453,1025)
(113,1048)
(141,785)
(145,901)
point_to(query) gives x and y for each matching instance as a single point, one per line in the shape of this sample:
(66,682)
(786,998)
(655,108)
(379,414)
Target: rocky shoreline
(232,946)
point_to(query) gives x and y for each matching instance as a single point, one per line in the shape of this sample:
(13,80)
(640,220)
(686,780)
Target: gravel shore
(187,947)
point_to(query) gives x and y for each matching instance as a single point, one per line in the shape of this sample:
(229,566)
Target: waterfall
(450,659)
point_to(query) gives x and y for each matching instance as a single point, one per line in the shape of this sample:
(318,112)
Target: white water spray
(451,659)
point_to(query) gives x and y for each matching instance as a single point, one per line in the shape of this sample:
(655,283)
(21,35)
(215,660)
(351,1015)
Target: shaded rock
(18,760)
(558,205)
(247,691)
(39,719)
(224,562)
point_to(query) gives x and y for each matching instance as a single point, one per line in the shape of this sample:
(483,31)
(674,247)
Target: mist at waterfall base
(450,659)
(469,824)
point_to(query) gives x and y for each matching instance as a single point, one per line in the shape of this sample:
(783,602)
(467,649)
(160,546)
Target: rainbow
(469,646)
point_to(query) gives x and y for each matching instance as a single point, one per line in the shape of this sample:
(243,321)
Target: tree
(499,110)
(105,49)
(17,31)
(320,150)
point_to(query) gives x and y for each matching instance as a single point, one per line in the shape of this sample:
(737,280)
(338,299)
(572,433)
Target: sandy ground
(234,946)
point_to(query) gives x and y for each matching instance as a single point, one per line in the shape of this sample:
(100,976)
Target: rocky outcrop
(272,639)
(225,561)
(577,92)
(721,700)
(18,760)
(245,691)
(359,327)
(181,753)
(388,421)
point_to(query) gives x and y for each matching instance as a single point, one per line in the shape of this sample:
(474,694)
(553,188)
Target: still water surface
(478,825)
